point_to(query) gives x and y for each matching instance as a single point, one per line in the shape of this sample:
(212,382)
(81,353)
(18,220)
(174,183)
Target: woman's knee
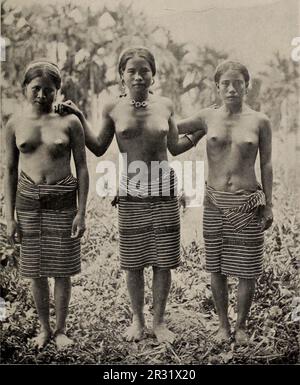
(64,282)
(136,273)
(39,282)
(218,277)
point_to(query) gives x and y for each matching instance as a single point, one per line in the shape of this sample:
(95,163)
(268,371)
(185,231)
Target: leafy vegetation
(99,309)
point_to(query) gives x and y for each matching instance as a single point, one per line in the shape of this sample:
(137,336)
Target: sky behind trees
(249,30)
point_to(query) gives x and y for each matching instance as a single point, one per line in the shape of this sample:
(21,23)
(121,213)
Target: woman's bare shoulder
(110,104)
(164,100)
(204,115)
(71,120)
(263,118)
(257,114)
(208,111)
(264,123)
(13,122)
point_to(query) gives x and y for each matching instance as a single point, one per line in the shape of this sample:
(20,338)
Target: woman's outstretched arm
(179,144)
(193,124)
(99,143)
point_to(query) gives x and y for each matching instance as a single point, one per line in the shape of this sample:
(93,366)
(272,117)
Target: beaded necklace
(136,104)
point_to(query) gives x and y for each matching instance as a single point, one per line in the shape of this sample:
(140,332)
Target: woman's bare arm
(11,172)
(11,179)
(193,124)
(78,150)
(99,143)
(179,144)
(265,151)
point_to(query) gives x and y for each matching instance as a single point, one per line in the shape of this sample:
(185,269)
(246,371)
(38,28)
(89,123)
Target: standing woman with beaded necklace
(149,223)
(44,195)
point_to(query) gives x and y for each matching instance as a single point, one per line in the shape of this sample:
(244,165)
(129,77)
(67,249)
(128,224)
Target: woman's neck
(139,96)
(38,112)
(231,109)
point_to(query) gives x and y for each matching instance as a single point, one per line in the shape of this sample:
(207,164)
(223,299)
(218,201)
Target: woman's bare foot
(241,337)
(163,334)
(42,339)
(135,332)
(222,335)
(62,341)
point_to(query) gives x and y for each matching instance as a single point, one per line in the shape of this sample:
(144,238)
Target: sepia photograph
(150,184)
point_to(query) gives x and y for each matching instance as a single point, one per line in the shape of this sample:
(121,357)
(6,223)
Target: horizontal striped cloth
(45,215)
(149,225)
(234,242)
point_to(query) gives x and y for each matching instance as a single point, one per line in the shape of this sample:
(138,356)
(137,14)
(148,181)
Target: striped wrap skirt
(45,215)
(149,223)
(234,242)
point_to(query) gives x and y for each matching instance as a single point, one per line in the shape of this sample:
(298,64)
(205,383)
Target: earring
(152,82)
(123,89)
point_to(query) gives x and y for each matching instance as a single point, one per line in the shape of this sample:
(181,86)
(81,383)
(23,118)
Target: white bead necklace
(136,104)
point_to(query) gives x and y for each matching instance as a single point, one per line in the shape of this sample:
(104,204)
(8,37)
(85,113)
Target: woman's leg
(161,288)
(62,295)
(135,285)
(40,291)
(220,296)
(245,295)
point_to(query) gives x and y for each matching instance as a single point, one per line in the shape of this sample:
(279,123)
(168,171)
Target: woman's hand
(12,232)
(266,218)
(68,107)
(78,226)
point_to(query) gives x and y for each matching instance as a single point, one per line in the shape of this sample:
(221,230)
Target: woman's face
(232,87)
(137,74)
(41,93)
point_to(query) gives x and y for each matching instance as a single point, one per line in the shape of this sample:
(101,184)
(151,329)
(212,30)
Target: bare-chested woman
(44,195)
(149,223)
(236,209)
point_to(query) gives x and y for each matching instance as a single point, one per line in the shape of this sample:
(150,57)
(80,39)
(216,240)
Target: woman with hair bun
(149,222)
(44,195)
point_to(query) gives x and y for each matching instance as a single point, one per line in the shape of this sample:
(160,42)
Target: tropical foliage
(85,41)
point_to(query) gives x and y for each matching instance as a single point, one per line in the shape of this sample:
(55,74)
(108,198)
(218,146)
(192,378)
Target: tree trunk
(284,122)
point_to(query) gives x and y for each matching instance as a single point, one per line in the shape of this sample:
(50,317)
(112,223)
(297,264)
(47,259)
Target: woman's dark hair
(129,53)
(42,68)
(231,65)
